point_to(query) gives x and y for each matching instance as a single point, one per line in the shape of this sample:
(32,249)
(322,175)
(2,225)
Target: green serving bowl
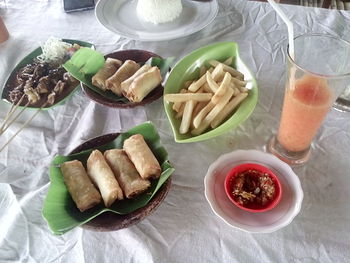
(188,69)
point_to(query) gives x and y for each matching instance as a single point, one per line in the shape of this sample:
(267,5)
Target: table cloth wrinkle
(183,228)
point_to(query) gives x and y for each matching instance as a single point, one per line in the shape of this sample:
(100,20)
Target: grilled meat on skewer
(43,85)
(59,87)
(32,95)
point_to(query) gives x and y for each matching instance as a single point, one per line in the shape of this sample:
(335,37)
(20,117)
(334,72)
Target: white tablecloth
(183,228)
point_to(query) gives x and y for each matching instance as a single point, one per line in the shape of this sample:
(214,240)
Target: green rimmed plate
(60,211)
(10,85)
(187,69)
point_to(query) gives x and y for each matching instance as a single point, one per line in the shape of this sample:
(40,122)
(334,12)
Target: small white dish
(266,222)
(119,16)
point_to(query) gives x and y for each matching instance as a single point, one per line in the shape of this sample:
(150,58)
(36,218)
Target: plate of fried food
(109,182)
(209,92)
(124,79)
(39,80)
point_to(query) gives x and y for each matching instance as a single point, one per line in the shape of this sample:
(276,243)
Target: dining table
(183,228)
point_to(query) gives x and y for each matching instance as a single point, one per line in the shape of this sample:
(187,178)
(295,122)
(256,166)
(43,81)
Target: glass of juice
(316,76)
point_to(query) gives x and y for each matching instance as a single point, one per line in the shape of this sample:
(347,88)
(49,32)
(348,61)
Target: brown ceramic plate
(139,56)
(109,221)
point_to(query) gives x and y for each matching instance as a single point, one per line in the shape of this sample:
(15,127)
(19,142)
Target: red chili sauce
(253,189)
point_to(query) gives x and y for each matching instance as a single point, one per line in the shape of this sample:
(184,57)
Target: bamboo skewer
(23,126)
(14,119)
(7,116)
(11,111)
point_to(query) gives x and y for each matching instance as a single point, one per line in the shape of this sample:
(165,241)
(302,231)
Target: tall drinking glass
(316,76)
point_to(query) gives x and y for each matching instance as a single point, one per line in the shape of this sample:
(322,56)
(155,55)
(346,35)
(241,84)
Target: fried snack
(197,84)
(143,85)
(79,185)
(126,83)
(202,70)
(187,84)
(213,113)
(200,82)
(242,89)
(142,157)
(228,61)
(235,73)
(201,115)
(180,113)
(200,105)
(187,116)
(187,96)
(109,68)
(218,72)
(228,109)
(177,105)
(238,82)
(222,90)
(206,88)
(103,177)
(125,71)
(211,82)
(126,173)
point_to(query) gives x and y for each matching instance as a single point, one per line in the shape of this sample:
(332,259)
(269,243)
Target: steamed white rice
(159,11)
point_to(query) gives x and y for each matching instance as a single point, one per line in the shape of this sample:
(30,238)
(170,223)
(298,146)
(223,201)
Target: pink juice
(305,106)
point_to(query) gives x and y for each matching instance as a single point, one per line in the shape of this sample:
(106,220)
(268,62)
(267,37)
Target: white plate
(120,16)
(265,222)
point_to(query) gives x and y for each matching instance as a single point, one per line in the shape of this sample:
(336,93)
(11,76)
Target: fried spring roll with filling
(79,185)
(142,157)
(143,85)
(126,83)
(103,177)
(109,68)
(126,173)
(126,70)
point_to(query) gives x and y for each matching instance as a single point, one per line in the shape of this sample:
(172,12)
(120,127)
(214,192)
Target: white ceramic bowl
(266,222)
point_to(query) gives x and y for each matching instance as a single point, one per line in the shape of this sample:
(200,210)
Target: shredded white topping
(54,50)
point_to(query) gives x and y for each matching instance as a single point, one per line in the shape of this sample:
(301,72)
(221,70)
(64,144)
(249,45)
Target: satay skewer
(13,108)
(23,126)
(5,127)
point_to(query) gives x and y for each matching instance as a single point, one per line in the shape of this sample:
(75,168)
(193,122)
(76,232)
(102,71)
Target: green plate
(29,59)
(187,69)
(60,210)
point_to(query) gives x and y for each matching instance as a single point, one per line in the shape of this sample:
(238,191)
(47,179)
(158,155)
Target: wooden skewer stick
(7,116)
(11,111)
(23,126)
(14,119)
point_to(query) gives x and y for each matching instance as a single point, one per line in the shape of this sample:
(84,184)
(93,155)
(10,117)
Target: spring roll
(109,68)
(143,85)
(126,173)
(142,157)
(103,177)
(79,185)
(124,72)
(126,83)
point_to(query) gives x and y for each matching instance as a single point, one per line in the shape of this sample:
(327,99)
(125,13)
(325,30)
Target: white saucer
(120,16)
(265,222)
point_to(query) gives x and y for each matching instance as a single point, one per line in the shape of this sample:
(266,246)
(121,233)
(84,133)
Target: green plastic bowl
(188,69)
